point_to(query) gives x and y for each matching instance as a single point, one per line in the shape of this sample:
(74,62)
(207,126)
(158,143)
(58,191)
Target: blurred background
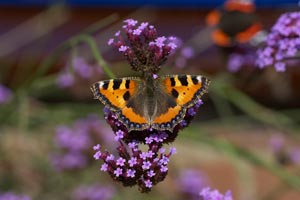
(245,138)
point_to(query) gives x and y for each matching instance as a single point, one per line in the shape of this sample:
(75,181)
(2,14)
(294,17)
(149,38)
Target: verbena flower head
(93,192)
(74,143)
(5,94)
(282,43)
(13,196)
(142,47)
(132,166)
(209,194)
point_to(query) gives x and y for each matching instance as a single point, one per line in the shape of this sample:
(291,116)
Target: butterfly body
(143,103)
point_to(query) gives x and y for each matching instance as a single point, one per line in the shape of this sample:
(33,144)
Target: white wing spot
(199,78)
(101,84)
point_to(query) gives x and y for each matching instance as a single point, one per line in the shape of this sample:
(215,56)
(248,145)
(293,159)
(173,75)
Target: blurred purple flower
(75,142)
(235,62)
(82,68)
(238,60)
(284,154)
(294,154)
(187,52)
(77,67)
(208,194)
(65,80)
(5,94)
(276,142)
(182,58)
(191,181)
(70,160)
(175,40)
(93,192)
(282,43)
(73,139)
(13,196)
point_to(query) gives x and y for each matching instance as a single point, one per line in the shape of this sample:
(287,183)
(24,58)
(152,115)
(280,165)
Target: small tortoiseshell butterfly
(142,103)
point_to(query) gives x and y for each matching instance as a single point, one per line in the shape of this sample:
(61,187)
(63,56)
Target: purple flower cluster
(5,94)
(133,166)
(143,49)
(13,196)
(79,68)
(208,194)
(93,192)
(283,153)
(282,43)
(75,142)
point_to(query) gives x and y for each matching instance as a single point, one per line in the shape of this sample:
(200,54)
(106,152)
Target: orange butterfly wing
(115,94)
(168,103)
(185,90)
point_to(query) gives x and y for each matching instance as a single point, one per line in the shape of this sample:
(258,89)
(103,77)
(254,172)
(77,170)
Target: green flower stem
(250,107)
(83,37)
(235,151)
(92,44)
(38,89)
(23,111)
(223,107)
(292,113)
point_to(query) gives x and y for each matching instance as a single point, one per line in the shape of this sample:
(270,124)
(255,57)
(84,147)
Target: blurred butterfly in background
(235,23)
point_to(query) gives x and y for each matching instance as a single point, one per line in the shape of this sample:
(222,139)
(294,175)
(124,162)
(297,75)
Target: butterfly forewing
(117,95)
(114,93)
(185,91)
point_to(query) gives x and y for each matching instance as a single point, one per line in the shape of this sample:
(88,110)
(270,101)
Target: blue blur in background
(133,3)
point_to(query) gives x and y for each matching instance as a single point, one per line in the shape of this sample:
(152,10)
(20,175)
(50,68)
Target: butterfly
(235,23)
(158,103)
